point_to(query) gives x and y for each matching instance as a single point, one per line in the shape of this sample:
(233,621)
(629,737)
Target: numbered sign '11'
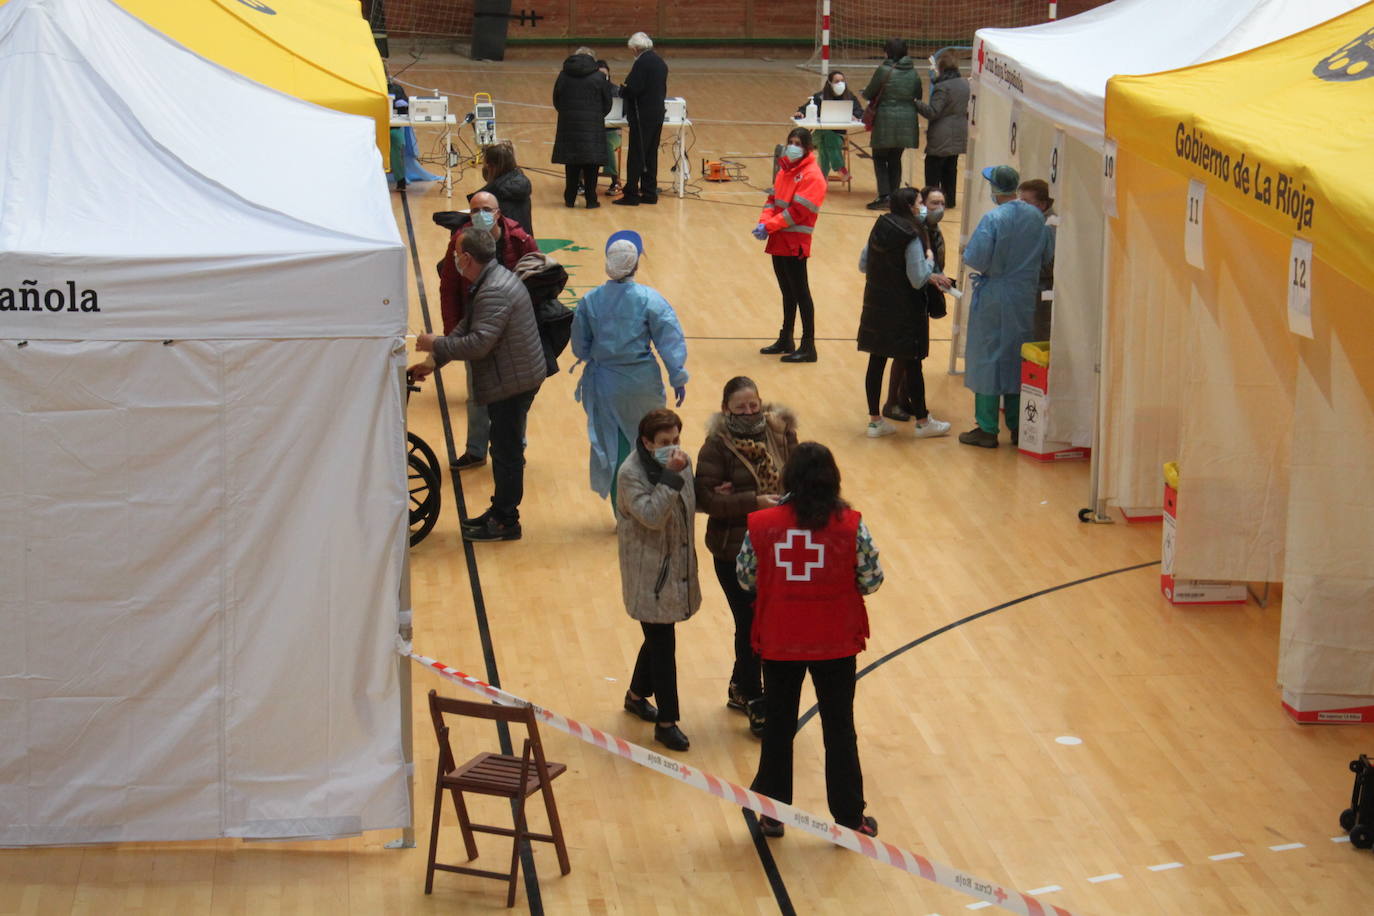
(1300,288)
(1192,226)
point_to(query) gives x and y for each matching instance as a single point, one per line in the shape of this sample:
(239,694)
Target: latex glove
(760,232)
(681,392)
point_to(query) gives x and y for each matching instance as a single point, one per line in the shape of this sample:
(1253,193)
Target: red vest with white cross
(808,606)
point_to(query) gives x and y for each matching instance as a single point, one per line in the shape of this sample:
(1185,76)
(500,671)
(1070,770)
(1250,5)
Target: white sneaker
(931,428)
(876,430)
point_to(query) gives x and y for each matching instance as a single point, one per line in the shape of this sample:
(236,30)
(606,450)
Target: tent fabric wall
(203,507)
(1055,76)
(1274,430)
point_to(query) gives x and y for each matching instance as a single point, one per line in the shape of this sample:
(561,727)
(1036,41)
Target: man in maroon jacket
(512,244)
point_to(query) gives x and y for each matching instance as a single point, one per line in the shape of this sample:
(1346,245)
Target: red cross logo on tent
(980,57)
(801,552)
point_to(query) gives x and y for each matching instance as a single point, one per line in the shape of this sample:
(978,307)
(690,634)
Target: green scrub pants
(985,411)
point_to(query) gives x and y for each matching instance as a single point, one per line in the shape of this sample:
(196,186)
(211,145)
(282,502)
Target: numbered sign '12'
(1300,288)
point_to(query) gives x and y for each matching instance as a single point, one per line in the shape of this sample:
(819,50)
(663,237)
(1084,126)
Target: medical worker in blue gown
(613,329)
(1006,249)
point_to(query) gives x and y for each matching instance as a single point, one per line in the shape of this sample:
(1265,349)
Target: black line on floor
(770,865)
(479,604)
(872,666)
(770,337)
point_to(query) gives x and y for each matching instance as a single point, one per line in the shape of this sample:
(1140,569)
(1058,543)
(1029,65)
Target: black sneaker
(468,460)
(868,828)
(756,718)
(770,827)
(471,524)
(879,203)
(640,707)
(493,531)
(646,199)
(979,437)
(671,737)
(626,201)
(734,699)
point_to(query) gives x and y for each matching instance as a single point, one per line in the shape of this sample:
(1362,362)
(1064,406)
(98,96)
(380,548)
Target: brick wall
(735,19)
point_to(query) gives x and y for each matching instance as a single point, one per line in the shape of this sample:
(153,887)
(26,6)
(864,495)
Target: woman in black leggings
(787,222)
(895,324)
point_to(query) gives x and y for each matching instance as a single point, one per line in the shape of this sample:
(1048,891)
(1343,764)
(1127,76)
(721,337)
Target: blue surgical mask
(923,211)
(793,152)
(661,455)
(483,220)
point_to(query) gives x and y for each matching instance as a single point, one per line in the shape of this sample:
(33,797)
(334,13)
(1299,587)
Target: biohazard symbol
(1032,412)
(1353,61)
(807,554)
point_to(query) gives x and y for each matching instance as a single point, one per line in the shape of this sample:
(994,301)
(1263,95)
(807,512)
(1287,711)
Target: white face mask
(793,152)
(664,453)
(837,87)
(923,211)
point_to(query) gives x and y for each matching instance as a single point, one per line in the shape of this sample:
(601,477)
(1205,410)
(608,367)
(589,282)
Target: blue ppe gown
(1007,249)
(613,328)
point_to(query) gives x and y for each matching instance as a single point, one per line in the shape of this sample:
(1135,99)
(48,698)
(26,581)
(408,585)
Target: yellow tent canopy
(1239,334)
(1284,133)
(318,50)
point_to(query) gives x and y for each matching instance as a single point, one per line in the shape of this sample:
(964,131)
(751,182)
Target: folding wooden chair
(501,775)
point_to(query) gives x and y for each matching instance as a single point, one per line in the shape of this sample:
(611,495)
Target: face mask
(793,152)
(923,211)
(837,88)
(661,455)
(483,220)
(992,196)
(747,424)
(936,214)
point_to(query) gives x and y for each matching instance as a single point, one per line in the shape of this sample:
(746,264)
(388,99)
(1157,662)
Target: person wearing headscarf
(616,329)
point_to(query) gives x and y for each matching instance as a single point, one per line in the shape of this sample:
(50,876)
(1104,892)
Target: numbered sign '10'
(1109,177)
(1300,288)
(1192,226)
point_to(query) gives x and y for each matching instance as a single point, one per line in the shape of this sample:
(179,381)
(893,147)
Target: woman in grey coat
(947,134)
(895,86)
(656,529)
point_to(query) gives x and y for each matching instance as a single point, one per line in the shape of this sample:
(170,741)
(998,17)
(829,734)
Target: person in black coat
(582,97)
(645,90)
(895,323)
(507,184)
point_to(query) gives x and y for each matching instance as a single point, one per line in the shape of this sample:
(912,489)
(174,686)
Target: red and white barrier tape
(943,875)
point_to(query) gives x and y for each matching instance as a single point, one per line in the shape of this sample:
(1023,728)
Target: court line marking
(1284,847)
(1223,856)
(1047,889)
(1110,876)
(533,897)
(1166,866)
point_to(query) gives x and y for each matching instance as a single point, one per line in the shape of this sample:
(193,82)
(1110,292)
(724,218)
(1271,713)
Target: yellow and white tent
(318,50)
(1240,331)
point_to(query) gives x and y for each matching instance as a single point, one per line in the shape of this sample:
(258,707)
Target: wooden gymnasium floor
(1185,757)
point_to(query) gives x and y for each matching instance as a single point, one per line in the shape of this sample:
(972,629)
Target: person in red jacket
(787,221)
(811,560)
(512,244)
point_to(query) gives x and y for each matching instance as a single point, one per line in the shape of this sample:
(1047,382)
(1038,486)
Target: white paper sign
(1056,162)
(1109,177)
(973,114)
(1013,140)
(1300,288)
(1192,226)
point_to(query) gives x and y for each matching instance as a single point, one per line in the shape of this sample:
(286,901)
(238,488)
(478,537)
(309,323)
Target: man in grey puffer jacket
(499,336)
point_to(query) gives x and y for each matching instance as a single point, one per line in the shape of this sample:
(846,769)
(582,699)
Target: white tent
(1038,103)
(202,490)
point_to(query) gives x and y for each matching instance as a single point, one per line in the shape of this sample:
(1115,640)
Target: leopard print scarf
(761,460)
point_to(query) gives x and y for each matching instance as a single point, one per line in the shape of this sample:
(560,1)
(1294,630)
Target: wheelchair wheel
(418,446)
(424,498)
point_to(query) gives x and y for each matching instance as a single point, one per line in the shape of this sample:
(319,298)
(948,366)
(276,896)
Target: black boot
(806,353)
(784,344)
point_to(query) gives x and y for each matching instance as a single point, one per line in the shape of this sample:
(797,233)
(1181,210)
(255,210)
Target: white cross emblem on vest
(800,549)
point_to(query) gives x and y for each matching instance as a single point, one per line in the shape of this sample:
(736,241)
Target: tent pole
(956,331)
(405,631)
(1096,510)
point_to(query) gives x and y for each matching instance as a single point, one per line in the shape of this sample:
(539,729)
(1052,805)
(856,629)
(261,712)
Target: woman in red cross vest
(811,560)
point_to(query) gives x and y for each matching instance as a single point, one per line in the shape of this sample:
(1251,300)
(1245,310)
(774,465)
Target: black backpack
(553,318)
